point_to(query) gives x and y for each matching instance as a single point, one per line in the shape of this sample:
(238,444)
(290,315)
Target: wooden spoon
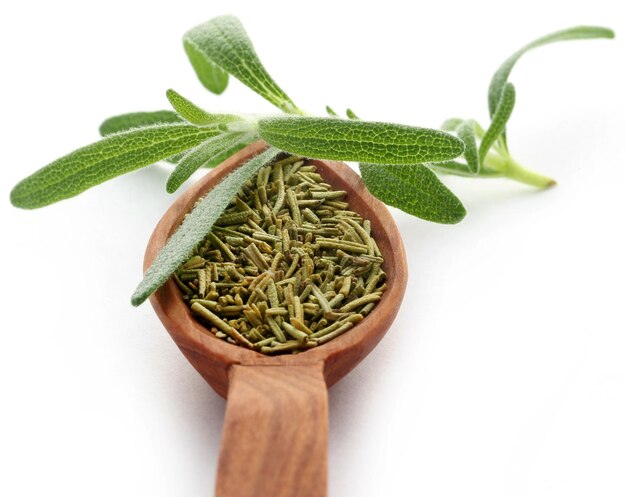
(275,435)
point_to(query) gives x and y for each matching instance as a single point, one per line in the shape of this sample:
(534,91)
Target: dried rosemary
(288,266)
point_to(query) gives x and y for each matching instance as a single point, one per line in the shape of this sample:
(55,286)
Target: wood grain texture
(275,437)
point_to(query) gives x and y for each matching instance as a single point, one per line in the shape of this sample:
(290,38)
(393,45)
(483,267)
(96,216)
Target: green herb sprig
(492,157)
(397,161)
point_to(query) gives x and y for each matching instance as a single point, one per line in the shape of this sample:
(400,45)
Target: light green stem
(523,175)
(509,168)
(289,108)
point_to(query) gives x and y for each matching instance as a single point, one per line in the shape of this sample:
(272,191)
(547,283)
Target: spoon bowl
(274,441)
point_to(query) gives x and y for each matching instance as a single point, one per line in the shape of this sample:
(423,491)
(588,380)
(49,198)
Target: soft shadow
(350,397)
(197,411)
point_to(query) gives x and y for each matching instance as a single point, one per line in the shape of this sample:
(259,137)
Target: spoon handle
(275,436)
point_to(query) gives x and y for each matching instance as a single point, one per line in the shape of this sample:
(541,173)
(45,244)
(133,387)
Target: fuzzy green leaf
(415,189)
(196,226)
(243,142)
(501,76)
(462,169)
(465,131)
(498,121)
(351,115)
(330,111)
(197,157)
(133,120)
(212,76)
(175,159)
(112,156)
(452,167)
(222,41)
(194,114)
(342,139)
(451,124)
(124,122)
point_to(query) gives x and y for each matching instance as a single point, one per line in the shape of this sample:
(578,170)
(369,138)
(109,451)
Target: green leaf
(223,42)
(194,114)
(461,169)
(351,114)
(112,156)
(200,155)
(498,121)
(244,141)
(197,225)
(330,111)
(363,141)
(132,120)
(451,124)
(212,76)
(415,189)
(452,167)
(465,132)
(501,76)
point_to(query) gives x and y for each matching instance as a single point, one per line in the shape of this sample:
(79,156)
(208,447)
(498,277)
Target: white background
(505,371)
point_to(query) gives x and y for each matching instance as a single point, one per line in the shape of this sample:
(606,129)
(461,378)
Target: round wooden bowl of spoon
(275,435)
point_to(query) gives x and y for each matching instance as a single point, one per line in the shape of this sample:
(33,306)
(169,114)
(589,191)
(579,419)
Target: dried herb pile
(288,266)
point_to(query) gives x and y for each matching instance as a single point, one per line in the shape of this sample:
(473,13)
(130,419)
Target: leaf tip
(218,90)
(458,215)
(174,98)
(22,198)
(606,33)
(454,214)
(106,127)
(14,198)
(457,146)
(351,115)
(172,185)
(138,298)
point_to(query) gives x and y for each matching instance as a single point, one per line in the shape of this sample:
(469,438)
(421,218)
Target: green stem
(290,108)
(509,168)
(523,175)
